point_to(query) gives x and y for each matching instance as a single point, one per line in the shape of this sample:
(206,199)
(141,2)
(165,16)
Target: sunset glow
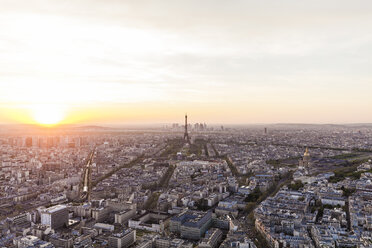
(48,114)
(188,123)
(119,62)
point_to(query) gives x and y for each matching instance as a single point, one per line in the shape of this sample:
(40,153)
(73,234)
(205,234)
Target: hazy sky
(151,61)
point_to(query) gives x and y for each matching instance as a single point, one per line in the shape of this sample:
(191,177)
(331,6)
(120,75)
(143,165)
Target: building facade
(55,217)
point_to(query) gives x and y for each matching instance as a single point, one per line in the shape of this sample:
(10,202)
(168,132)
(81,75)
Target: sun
(48,115)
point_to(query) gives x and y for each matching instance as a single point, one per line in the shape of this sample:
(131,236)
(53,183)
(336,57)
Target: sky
(228,62)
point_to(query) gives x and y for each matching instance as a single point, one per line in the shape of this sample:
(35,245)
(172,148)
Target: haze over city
(235,62)
(185,124)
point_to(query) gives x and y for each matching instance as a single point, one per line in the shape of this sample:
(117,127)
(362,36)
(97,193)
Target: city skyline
(185,124)
(246,62)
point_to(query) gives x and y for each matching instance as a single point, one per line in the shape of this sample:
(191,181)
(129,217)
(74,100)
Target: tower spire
(186,136)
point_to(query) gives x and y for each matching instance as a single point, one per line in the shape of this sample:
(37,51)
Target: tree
(296,186)
(254,196)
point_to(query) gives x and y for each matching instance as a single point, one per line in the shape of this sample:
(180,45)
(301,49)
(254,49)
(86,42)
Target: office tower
(55,217)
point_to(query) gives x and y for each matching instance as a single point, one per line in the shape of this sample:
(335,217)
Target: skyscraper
(55,217)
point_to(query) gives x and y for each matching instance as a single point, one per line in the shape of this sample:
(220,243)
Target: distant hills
(67,128)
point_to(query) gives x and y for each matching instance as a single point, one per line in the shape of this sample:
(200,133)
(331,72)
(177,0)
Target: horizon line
(170,123)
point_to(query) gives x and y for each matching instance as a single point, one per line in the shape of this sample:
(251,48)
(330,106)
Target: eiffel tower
(186,136)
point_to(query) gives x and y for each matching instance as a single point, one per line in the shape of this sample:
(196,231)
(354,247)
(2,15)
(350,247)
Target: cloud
(193,51)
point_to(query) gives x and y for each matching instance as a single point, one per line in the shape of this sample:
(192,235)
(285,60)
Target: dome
(307,152)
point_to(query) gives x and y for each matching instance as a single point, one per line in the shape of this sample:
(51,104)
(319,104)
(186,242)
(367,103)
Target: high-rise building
(29,141)
(50,142)
(35,141)
(55,217)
